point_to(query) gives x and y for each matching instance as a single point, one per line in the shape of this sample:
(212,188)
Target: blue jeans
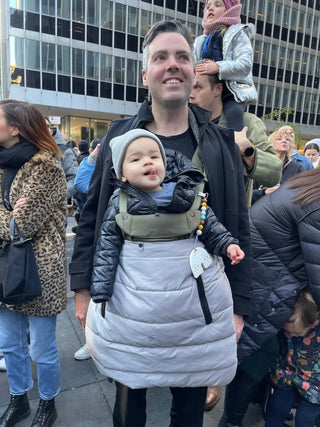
(281,403)
(43,351)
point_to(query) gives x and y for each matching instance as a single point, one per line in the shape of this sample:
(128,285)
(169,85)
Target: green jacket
(267,167)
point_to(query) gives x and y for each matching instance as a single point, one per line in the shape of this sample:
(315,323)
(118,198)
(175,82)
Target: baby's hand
(208,67)
(235,253)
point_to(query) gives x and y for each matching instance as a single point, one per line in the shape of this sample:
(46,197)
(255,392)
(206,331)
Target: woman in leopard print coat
(37,201)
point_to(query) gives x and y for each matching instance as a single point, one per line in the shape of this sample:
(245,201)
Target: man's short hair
(213,78)
(164,27)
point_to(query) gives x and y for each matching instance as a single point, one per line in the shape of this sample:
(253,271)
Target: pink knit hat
(230,3)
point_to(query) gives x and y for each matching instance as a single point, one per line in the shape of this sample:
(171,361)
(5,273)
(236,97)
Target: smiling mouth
(172,81)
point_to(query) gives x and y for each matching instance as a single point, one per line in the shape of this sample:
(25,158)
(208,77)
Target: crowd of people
(196,256)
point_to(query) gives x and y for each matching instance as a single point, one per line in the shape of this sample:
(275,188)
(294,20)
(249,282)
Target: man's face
(169,74)
(202,94)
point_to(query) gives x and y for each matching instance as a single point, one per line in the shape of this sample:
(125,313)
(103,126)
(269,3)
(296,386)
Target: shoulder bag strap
(6,181)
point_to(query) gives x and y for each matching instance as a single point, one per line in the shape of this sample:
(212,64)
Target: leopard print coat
(41,181)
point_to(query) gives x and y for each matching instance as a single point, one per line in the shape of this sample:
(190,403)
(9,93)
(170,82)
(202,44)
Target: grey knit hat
(120,143)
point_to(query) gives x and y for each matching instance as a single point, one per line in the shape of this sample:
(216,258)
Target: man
(168,72)
(260,162)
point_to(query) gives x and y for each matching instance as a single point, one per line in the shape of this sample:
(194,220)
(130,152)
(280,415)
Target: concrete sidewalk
(87,398)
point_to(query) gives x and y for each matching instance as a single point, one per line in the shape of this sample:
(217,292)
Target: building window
(48,7)
(64,84)
(63,9)
(77,31)
(16,18)
(32,5)
(48,81)
(33,56)
(32,21)
(106,14)
(48,57)
(63,57)
(92,88)
(133,20)
(106,68)
(131,72)
(33,79)
(78,86)
(17,61)
(93,65)
(16,4)
(78,62)
(120,17)
(63,28)
(145,22)
(48,24)
(93,12)
(78,12)
(92,34)
(119,68)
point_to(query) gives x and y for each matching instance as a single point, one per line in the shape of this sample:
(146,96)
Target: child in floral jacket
(296,375)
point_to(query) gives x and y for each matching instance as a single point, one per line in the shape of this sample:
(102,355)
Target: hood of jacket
(58,137)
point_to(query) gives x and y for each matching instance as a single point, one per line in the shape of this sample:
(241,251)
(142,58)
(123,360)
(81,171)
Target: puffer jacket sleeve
(106,257)
(215,236)
(83,177)
(309,232)
(240,65)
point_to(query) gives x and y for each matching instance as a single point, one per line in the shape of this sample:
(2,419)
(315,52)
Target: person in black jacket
(168,72)
(285,234)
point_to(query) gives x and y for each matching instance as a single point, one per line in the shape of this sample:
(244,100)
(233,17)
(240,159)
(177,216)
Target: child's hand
(208,67)
(235,253)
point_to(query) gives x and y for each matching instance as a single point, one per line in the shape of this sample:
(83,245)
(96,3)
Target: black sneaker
(17,410)
(46,414)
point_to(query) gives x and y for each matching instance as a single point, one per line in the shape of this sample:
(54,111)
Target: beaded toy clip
(199,257)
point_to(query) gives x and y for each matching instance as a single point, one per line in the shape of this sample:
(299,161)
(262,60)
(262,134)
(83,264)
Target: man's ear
(124,179)
(218,89)
(144,78)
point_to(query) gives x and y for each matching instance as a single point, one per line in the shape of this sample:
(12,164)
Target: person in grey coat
(68,162)
(157,301)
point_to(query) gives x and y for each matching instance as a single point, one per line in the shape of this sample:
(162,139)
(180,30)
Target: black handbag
(19,276)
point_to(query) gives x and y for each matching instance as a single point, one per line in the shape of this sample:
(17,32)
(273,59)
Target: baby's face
(214,9)
(143,165)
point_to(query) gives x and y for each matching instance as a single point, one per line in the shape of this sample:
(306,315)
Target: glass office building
(81,59)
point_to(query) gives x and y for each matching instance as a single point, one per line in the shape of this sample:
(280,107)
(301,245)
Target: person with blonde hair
(283,144)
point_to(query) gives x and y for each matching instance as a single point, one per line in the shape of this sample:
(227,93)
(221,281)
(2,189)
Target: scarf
(316,164)
(17,155)
(230,17)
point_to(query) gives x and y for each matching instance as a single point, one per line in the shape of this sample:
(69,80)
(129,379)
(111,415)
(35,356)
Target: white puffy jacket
(236,67)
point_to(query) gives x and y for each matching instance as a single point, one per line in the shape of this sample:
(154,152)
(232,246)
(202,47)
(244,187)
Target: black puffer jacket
(286,258)
(180,170)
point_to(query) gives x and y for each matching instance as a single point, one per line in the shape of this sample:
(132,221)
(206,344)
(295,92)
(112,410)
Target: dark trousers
(233,112)
(239,394)
(281,403)
(186,409)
